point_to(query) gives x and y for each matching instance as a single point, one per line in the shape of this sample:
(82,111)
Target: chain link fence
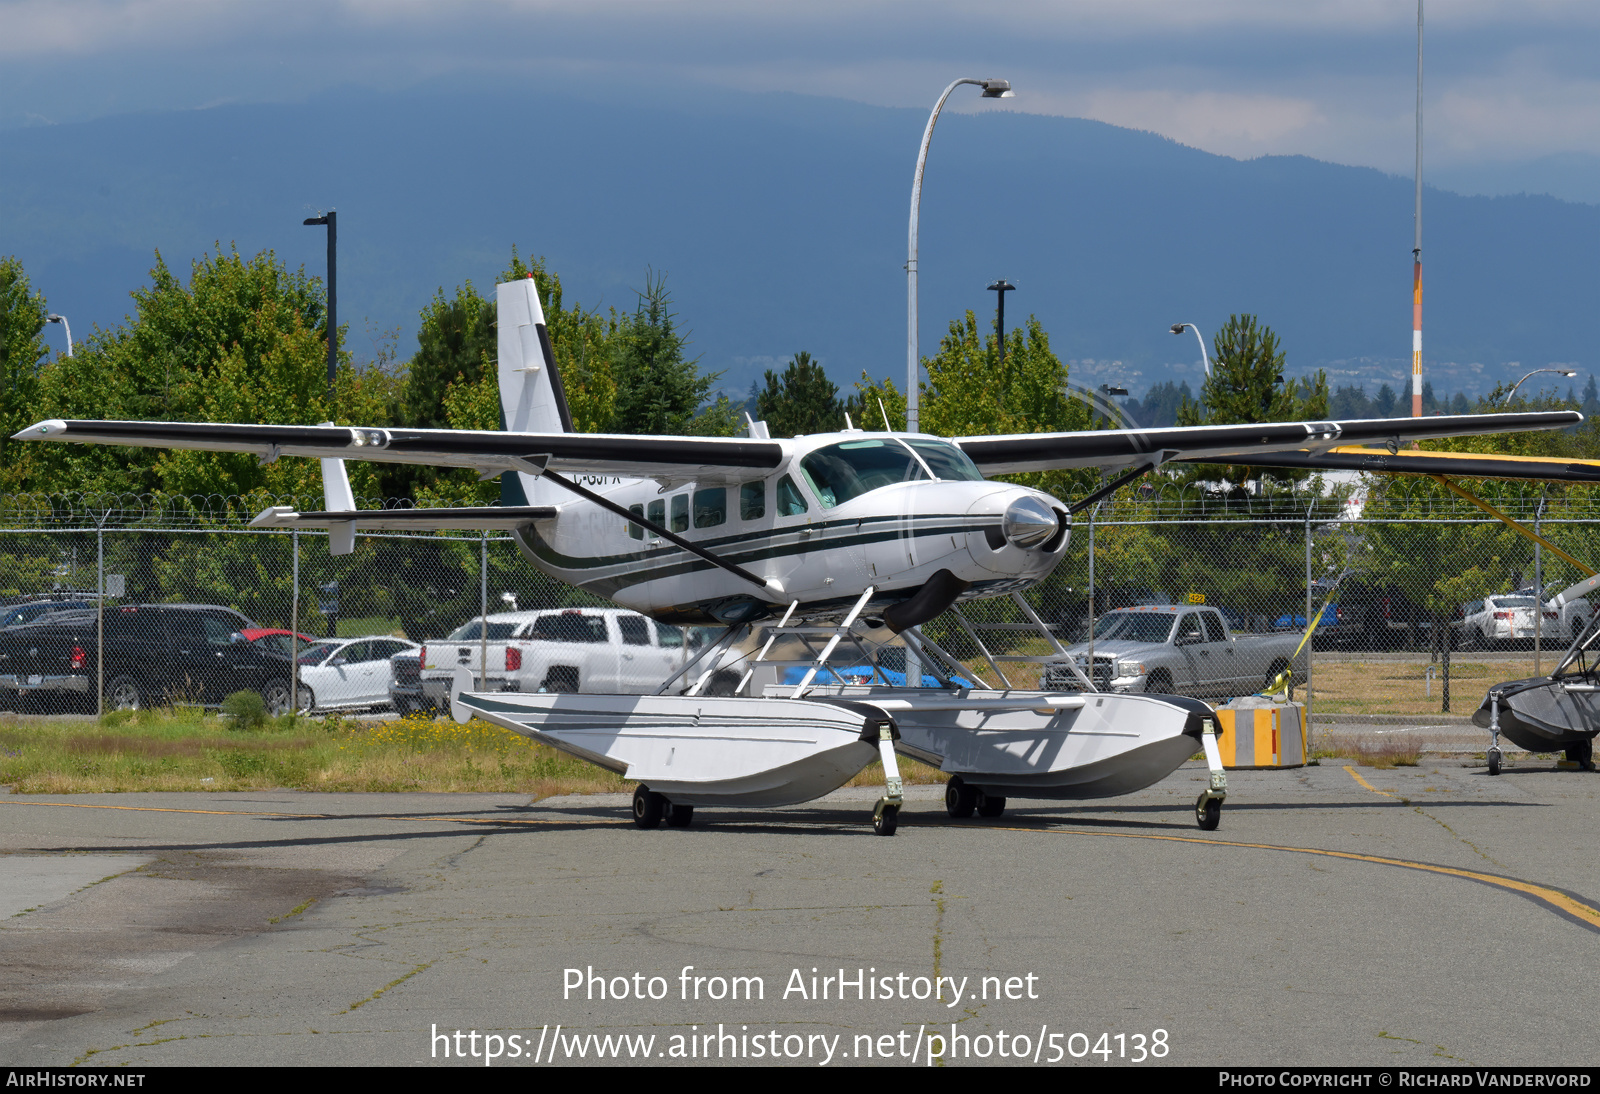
(1420,592)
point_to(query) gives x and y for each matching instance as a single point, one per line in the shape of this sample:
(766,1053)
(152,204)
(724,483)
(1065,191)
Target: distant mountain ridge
(781,223)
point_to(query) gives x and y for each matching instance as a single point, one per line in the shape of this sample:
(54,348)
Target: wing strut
(1117,484)
(1523,529)
(635,518)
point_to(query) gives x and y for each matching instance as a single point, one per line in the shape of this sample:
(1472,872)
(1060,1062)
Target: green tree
(659,390)
(800,401)
(874,401)
(22,348)
(243,341)
(1247,385)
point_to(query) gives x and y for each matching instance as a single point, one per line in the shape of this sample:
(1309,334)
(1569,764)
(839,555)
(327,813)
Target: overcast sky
(1507,82)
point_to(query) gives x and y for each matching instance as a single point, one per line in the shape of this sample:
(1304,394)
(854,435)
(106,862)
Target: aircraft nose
(1029,523)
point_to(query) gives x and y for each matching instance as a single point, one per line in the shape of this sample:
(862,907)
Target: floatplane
(833,536)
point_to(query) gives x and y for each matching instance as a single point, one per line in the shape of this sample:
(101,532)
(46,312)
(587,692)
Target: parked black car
(154,654)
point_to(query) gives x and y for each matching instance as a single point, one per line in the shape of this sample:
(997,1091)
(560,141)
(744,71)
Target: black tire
(988,805)
(1208,813)
(1494,761)
(565,683)
(886,820)
(306,700)
(723,683)
(647,808)
(275,694)
(1160,683)
(679,816)
(124,693)
(959,798)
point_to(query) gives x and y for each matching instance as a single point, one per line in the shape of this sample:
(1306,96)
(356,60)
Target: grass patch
(191,750)
(1401,687)
(1380,752)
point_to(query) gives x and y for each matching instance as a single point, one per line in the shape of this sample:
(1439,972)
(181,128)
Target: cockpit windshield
(946,461)
(849,469)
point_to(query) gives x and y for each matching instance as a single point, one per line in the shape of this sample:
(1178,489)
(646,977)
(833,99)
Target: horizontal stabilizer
(476,517)
(1463,465)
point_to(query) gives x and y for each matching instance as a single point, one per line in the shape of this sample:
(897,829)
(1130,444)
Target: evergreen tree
(660,391)
(1385,403)
(1160,404)
(1247,385)
(1591,398)
(803,400)
(1349,402)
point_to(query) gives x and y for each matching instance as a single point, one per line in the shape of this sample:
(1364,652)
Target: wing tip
(46,430)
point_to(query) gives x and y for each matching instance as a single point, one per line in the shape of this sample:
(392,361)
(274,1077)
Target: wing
(487,451)
(1115,449)
(1462,465)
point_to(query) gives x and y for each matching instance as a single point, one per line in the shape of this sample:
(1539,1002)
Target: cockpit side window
(791,503)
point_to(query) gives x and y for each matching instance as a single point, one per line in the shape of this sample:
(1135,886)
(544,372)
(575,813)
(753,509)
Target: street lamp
(1567,372)
(53,318)
(1177,328)
(992,89)
(331,220)
(1000,288)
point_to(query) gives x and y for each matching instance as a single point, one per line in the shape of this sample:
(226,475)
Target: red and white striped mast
(1416,250)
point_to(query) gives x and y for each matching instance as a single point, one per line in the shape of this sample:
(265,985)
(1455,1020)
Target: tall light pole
(1177,328)
(332,221)
(1567,372)
(992,89)
(53,318)
(1000,288)
(1416,249)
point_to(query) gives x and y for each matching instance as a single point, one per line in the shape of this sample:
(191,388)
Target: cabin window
(848,470)
(752,501)
(791,503)
(635,530)
(680,513)
(658,512)
(946,461)
(711,507)
(635,630)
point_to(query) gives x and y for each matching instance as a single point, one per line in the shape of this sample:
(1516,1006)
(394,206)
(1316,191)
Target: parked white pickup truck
(602,650)
(1179,649)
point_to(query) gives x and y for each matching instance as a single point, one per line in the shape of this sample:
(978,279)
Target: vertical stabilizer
(531,396)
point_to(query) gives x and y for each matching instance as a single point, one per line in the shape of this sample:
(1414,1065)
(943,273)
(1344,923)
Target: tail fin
(531,396)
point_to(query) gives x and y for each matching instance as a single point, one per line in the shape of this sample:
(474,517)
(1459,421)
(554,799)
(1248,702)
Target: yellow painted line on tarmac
(1356,775)
(1567,905)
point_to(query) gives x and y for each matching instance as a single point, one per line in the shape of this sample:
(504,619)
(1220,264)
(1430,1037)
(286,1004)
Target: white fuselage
(778,525)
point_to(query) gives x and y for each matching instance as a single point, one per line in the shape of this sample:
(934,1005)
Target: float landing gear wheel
(647,807)
(886,820)
(959,798)
(679,816)
(1582,754)
(1494,761)
(1208,812)
(988,805)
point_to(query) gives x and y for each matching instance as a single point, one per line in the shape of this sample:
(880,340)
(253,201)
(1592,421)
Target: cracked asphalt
(1338,916)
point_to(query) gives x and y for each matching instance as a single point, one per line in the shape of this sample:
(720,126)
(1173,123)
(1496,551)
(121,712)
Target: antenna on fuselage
(886,427)
(848,424)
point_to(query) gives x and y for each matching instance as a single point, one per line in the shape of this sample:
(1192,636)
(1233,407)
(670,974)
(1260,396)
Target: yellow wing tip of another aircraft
(1412,454)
